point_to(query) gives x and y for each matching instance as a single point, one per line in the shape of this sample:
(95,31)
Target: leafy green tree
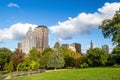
(34,54)
(72,59)
(57,45)
(56,60)
(46,54)
(6,66)
(17,58)
(46,50)
(33,59)
(34,65)
(116,55)
(97,57)
(23,67)
(111,28)
(116,50)
(5,55)
(64,51)
(10,67)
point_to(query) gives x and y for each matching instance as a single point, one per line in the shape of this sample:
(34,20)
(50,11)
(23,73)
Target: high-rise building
(20,46)
(41,37)
(28,42)
(106,48)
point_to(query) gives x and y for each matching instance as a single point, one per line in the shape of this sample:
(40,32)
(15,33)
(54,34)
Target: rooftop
(41,26)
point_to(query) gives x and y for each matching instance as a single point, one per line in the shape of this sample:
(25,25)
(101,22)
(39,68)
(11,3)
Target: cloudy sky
(68,21)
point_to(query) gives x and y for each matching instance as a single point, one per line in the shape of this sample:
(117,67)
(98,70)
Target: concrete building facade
(77,47)
(28,42)
(74,47)
(41,37)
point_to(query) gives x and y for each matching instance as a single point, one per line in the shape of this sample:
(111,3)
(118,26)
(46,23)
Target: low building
(65,45)
(74,47)
(106,48)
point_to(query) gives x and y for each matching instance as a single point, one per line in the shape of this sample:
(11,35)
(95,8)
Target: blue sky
(68,21)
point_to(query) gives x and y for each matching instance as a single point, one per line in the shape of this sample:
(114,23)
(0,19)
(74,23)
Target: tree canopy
(111,28)
(97,57)
(116,55)
(5,55)
(17,57)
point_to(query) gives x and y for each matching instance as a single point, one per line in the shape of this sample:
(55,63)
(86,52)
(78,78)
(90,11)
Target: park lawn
(76,74)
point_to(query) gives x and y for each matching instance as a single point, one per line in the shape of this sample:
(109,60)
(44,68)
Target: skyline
(68,21)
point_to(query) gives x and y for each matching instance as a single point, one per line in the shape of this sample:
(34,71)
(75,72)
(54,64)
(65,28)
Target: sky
(68,21)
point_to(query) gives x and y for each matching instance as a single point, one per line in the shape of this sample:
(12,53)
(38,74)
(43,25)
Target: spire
(91,44)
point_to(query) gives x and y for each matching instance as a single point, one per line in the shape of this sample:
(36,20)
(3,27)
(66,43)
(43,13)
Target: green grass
(76,74)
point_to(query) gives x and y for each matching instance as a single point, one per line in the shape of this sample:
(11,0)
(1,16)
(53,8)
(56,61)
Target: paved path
(56,70)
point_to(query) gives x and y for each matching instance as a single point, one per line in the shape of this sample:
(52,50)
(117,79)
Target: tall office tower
(106,48)
(41,36)
(19,46)
(75,47)
(91,44)
(28,42)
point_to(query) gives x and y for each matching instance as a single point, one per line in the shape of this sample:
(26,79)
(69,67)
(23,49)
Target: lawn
(76,74)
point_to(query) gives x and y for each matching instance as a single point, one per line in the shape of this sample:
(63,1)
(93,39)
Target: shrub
(22,67)
(116,66)
(34,65)
(84,65)
(6,67)
(10,67)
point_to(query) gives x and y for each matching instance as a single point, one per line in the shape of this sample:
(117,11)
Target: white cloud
(84,22)
(13,5)
(111,47)
(16,31)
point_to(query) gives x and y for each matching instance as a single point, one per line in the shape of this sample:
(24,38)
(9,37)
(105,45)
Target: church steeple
(91,44)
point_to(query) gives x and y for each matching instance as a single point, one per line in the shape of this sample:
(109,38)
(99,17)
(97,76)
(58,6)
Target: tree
(46,50)
(57,45)
(72,59)
(6,66)
(34,65)
(5,55)
(10,67)
(33,59)
(56,60)
(97,57)
(46,54)
(17,58)
(34,54)
(23,67)
(111,28)
(115,56)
